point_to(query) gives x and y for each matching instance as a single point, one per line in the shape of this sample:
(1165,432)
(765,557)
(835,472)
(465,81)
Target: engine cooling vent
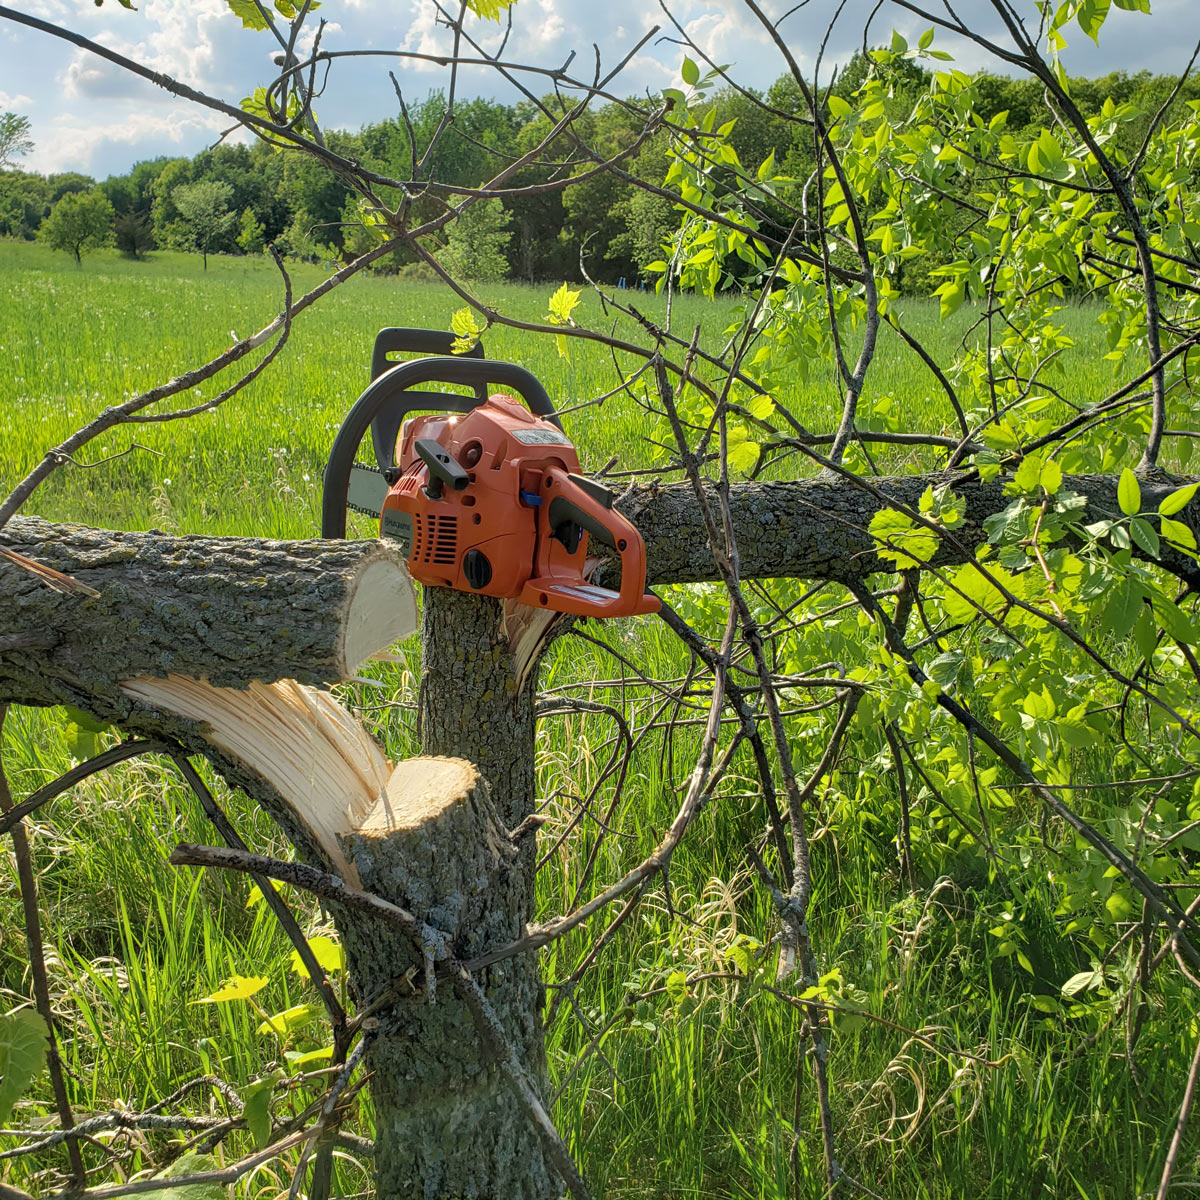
(435,539)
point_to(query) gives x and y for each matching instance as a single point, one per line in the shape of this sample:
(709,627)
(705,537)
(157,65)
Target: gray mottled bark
(817,528)
(230,610)
(473,708)
(448,1121)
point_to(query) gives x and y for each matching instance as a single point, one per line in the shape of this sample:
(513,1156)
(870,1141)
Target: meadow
(964,1090)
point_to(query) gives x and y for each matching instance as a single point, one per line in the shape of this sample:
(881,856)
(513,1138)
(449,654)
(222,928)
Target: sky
(89,116)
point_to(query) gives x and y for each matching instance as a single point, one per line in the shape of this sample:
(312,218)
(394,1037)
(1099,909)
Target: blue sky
(88,116)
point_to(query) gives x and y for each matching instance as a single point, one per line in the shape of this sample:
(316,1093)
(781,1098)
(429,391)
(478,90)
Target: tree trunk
(474,707)
(229,610)
(448,1120)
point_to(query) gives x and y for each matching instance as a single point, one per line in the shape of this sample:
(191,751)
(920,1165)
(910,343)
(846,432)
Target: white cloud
(72,144)
(91,116)
(422,37)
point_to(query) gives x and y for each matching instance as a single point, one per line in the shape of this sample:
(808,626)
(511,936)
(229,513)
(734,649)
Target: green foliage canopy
(79,222)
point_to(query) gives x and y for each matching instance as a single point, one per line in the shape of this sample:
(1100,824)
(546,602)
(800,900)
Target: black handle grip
(397,340)
(391,389)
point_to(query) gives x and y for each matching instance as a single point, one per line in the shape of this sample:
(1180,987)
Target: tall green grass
(690,1095)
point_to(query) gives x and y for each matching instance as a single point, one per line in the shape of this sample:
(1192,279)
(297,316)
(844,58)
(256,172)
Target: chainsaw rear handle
(589,506)
(390,391)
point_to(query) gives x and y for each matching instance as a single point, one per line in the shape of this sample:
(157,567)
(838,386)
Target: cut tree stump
(449,1122)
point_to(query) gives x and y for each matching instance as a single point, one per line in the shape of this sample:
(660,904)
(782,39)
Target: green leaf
(1122,608)
(743,455)
(328,953)
(901,540)
(1176,622)
(1092,15)
(839,107)
(23,1047)
(1075,732)
(256,1098)
(1144,535)
(1145,634)
(1028,475)
(953,295)
(1177,532)
(562,304)
(489,10)
(298,1059)
(1083,981)
(1177,500)
(1051,477)
(190,1164)
(284,1023)
(1129,493)
(690,72)
(249,14)
(978,593)
(766,169)
(926,39)
(466,330)
(676,985)
(240,987)
(760,406)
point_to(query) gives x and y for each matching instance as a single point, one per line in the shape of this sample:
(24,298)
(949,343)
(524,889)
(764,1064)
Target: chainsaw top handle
(389,399)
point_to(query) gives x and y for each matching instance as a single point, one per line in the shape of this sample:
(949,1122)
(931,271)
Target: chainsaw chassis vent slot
(435,539)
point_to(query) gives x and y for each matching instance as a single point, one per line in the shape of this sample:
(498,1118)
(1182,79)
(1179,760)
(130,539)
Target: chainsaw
(483,493)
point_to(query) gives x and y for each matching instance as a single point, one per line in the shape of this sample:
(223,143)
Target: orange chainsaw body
(491,501)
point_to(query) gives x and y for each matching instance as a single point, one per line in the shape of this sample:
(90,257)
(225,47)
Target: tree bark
(448,1120)
(473,706)
(817,528)
(229,610)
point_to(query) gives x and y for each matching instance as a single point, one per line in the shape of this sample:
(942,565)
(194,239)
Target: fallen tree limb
(229,610)
(817,528)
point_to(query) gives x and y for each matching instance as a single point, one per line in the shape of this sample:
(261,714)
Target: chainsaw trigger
(570,534)
(530,499)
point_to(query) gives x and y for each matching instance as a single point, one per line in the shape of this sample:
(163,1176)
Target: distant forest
(286,199)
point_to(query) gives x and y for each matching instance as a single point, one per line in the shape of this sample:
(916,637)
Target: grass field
(691,1098)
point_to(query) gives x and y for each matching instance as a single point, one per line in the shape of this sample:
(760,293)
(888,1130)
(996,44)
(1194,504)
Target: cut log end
(420,790)
(381,608)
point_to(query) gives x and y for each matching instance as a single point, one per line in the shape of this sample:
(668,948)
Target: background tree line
(237,199)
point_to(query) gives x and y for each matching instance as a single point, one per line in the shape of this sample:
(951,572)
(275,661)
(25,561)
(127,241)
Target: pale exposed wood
(312,753)
(380,609)
(418,790)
